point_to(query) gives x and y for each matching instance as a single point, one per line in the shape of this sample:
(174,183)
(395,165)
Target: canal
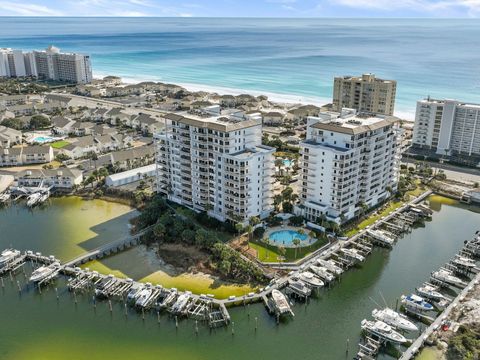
(37,326)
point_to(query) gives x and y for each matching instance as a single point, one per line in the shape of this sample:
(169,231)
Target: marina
(248,316)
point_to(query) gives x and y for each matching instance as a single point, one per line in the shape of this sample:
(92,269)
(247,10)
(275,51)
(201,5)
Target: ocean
(287,59)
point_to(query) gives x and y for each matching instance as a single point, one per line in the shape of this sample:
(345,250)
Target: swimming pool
(287,162)
(286,237)
(43,139)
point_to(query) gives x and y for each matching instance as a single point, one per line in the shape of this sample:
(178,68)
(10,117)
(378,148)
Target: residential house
(132,158)
(62,125)
(301,113)
(59,179)
(273,118)
(9,137)
(80,148)
(38,154)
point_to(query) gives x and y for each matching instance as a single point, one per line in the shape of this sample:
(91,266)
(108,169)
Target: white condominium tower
(347,160)
(215,162)
(447,127)
(49,64)
(366,94)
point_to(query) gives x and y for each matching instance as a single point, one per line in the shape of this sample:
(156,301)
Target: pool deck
(307,242)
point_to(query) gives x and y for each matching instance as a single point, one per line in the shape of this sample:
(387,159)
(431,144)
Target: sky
(244,8)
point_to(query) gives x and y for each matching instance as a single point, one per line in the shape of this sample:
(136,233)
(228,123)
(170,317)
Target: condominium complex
(447,127)
(347,160)
(366,94)
(49,64)
(213,160)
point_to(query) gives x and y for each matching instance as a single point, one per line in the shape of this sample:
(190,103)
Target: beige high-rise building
(366,94)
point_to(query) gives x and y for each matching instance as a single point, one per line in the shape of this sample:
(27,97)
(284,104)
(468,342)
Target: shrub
(258,232)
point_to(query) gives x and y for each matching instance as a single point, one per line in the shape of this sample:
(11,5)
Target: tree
(249,230)
(239,227)
(287,207)
(279,164)
(159,230)
(277,200)
(296,242)
(282,251)
(39,122)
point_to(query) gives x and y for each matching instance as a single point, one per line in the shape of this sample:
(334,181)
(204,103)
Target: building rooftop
(225,121)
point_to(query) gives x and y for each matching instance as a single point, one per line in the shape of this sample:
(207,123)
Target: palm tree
(296,242)
(277,200)
(279,165)
(282,251)
(254,221)
(239,227)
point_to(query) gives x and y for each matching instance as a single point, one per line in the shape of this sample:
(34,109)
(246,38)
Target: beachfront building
(58,179)
(214,161)
(448,128)
(366,94)
(348,161)
(49,64)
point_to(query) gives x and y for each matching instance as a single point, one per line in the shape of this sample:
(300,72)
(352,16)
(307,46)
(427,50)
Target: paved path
(453,172)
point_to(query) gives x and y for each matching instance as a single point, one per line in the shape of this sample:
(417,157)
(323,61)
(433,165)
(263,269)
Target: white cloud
(26,9)
(471,6)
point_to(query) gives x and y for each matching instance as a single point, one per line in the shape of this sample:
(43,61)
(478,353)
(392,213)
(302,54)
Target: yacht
(447,277)
(322,272)
(416,302)
(381,237)
(299,287)
(8,255)
(169,299)
(463,262)
(133,293)
(181,302)
(384,331)
(281,302)
(393,318)
(330,266)
(353,253)
(5,197)
(310,279)
(430,292)
(43,272)
(143,297)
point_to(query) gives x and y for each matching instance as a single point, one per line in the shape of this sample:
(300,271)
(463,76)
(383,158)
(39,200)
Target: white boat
(299,287)
(416,302)
(353,253)
(381,237)
(181,302)
(133,293)
(430,292)
(322,272)
(447,277)
(8,255)
(330,266)
(393,318)
(143,297)
(43,272)
(281,302)
(33,199)
(384,331)
(310,279)
(4,197)
(464,262)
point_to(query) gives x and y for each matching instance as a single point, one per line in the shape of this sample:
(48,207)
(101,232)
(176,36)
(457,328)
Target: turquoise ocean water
(297,57)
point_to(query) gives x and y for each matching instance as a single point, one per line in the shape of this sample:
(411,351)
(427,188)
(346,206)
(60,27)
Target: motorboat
(4,197)
(133,293)
(310,279)
(181,302)
(447,277)
(330,266)
(393,318)
(143,297)
(281,302)
(430,292)
(169,299)
(44,272)
(463,262)
(322,273)
(416,302)
(380,236)
(8,255)
(353,253)
(383,330)
(299,287)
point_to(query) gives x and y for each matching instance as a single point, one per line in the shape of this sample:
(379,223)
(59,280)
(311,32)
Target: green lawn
(270,253)
(59,144)
(392,206)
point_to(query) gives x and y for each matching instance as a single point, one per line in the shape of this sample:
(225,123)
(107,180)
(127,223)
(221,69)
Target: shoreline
(279,98)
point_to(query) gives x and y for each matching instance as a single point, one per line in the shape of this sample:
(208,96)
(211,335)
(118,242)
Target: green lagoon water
(36,326)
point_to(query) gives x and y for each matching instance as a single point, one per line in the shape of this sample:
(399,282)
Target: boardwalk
(418,343)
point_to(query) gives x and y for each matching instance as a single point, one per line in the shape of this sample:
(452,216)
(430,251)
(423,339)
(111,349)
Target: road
(453,172)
